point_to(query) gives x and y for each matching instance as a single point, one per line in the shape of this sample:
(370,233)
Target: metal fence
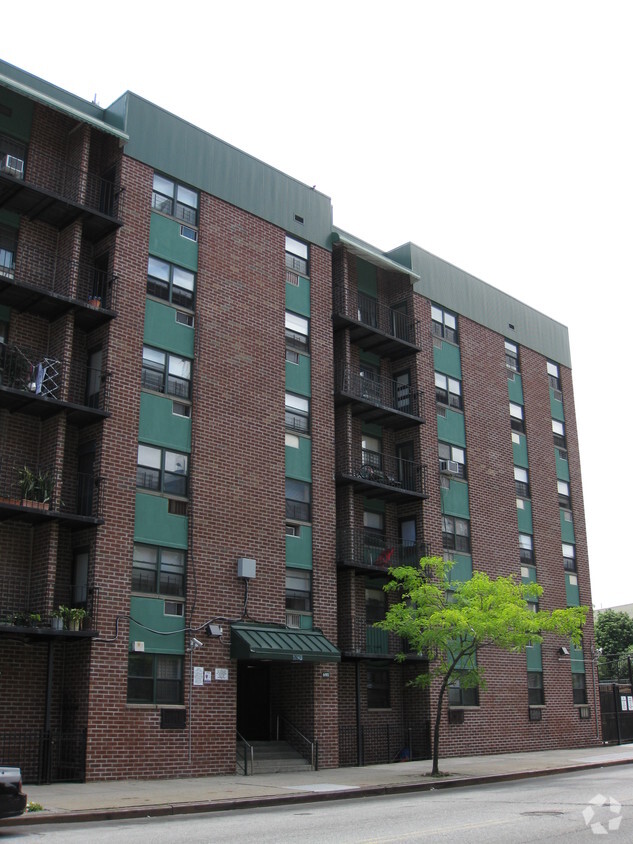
(45,756)
(376,745)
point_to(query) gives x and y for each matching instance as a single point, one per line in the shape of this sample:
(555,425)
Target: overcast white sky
(497,135)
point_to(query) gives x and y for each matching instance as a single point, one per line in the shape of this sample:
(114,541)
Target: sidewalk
(73,802)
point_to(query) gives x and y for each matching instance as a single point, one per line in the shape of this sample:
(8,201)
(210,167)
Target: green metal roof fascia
(371,254)
(281,643)
(51,102)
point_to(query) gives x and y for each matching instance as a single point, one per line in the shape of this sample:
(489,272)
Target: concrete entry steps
(273,757)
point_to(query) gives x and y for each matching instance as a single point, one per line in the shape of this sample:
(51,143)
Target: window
(378,688)
(536,697)
(579,686)
(403,391)
(171,283)
(443,324)
(512,356)
(4,331)
(374,523)
(176,200)
(458,696)
(526,549)
(521,483)
(375,605)
(298,590)
(455,534)
(296,255)
(161,470)
(516,418)
(372,451)
(8,238)
(158,570)
(452,459)
(12,156)
(154,678)
(369,381)
(448,391)
(298,499)
(553,375)
(564,499)
(297,413)
(297,333)
(569,557)
(558,430)
(166,373)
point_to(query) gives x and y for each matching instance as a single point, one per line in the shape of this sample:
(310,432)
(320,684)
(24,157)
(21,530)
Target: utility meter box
(246,567)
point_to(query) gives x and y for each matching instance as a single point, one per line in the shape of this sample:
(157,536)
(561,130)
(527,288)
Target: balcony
(49,288)
(375,327)
(378,400)
(380,476)
(52,191)
(363,550)
(31,383)
(39,494)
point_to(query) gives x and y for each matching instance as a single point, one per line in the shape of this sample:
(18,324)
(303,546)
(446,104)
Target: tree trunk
(436,732)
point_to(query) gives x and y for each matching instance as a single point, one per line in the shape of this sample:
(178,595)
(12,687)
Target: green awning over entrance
(267,641)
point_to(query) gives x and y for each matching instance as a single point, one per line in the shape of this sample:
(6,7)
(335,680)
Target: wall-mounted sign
(198,675)
(221,673)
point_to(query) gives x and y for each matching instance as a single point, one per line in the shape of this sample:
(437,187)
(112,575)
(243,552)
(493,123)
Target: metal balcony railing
(365,550)
(380,393)
(371,641)
(384,472)
(357,307)
(41,490)
(18,608)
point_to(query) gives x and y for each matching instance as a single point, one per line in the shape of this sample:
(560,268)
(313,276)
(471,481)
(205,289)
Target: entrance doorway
(253,700)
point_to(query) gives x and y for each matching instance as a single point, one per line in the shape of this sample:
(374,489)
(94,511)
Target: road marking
(439,830)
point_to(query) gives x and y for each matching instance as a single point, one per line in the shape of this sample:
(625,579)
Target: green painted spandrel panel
(165,241)
(5,313)
(299,460)
(534,657)
(366,275)
(150,613)
(562,467)
(515,389)
(298,378)
(163,332)
(17,115)
(524,515)
(305,621)
(528,574)
(446,359)
(8,218)
(567,527)
(571,590)
(519,449)
(556,406)
(462,569)
(455,499)
(160,426)
(298,297)
(450,428)
(577,659)
(153,522)
(299,549)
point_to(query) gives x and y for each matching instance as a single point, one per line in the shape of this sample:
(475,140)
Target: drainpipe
(359,740)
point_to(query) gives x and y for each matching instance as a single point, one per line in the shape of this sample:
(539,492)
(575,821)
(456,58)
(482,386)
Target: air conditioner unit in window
(293,619)
(12,165)
(449,467)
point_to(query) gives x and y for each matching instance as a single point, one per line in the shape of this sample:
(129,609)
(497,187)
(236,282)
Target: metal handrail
(248,751)
(375,551)
(313,757)
(380,391)
(368,311)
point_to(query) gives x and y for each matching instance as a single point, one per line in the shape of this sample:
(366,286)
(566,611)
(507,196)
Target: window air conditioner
(12,165)
(293,619)
(449,467)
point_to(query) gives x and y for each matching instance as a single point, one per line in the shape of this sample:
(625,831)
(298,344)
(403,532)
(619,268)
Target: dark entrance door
(253,700)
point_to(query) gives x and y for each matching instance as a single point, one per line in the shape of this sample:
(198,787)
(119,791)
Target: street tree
(451,621)
(614,636)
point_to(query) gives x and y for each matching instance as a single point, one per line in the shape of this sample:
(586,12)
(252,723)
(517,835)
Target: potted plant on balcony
(44,488)
(95,301)
(75,617)
(26,480)
(58,617)
(35,487)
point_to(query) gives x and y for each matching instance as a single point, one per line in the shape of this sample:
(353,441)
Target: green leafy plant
(75,616)
(32,806)
(26,480)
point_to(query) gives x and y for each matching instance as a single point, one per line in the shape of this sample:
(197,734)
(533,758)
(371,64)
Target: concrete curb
(264,801)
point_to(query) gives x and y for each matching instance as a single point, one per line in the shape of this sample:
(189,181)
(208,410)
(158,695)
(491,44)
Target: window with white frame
(452,459)
(174,199)
(298,500)
(512,356)
(536,695)
(521,482)
(297,255)
(297,413)
(569,556)
(564,498)
(516,418)
(154,678)
(526,549)
(298,591)
(372,451)
(460,696)
(448,391)
(455,534)
(443,323)
(161,470)
(553,374)
(297,335)
(169,282)
(8,245)
(158,570)
(166,373)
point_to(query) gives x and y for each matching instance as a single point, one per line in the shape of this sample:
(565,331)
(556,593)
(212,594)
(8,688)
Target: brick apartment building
(221,420)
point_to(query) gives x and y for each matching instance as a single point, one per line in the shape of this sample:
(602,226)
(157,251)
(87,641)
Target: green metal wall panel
(462,569)
(375,505)
(556,406)
(519,450)
(150,612)
(524,516)
(8,218)
(377,641)
(562,468)
(571,590)
(515,389)
(299,460)
(299,549)
(450,428)
(162,330)
(17,124)
(160,426)
(369,357)
(530,574)
(154,524)
(298,376)
(567,528)
(577,659)
(366,277)
(298,297)
(455,499)
(534,657)
(165,241)
(5,313)
(446,359)
(305,622)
